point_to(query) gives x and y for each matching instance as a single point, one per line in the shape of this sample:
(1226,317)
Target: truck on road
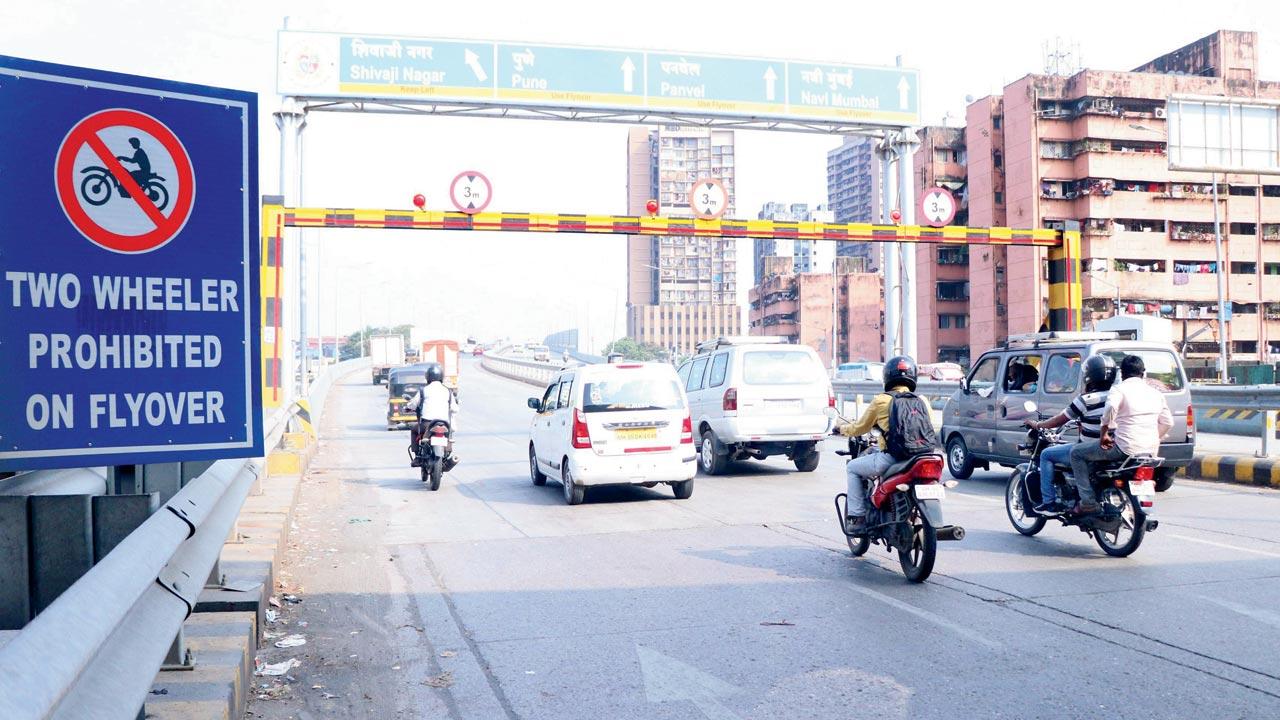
(386,351)
(444,352)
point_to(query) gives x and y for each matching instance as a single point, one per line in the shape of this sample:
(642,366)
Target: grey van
(982,423)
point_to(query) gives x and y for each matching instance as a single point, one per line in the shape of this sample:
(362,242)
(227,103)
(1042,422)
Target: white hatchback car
(753,397)
(616,424)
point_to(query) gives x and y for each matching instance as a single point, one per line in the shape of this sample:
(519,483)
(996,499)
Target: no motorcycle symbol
(125,181)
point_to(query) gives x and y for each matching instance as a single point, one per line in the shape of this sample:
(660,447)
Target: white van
(753,397)
(616,424)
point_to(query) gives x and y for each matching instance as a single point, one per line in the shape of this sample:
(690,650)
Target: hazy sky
(529,285)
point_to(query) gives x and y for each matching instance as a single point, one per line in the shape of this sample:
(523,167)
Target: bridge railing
(95,651)
(522,369)
(1220,409)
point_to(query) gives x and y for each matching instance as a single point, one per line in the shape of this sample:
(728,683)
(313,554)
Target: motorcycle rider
(1134,420)
(899,375)
(433,401)
(1086,409)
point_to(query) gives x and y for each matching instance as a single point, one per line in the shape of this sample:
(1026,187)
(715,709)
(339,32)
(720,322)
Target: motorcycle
(434,452)
(904,510)
(98,183)
(1126,489)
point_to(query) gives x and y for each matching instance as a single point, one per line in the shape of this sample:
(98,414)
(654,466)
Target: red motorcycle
(904,511)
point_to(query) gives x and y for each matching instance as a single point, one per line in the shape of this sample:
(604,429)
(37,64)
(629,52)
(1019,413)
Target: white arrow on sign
(473,62)
(666,679)
(904,87)
(770,80)
(628,75)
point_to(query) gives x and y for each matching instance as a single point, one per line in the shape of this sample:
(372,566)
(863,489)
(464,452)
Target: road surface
(493,599)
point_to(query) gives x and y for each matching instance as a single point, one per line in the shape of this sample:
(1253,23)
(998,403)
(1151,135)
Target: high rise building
(807,255)
(1092,148)
(942,271)
(680,290)
(853,193)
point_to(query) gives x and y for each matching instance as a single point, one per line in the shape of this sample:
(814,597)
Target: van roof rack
(1056,337)
(730,340)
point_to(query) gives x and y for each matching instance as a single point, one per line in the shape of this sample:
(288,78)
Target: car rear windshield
(1162,367)
(779,367)
(641,393)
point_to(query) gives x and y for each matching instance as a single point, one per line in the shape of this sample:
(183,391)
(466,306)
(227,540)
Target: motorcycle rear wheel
(436,471)
(917,561)
(1125,541)
(1015,495)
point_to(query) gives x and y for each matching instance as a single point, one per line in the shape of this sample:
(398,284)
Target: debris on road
(291,641)
(280,668)
(272,615)
(443,680)
(273,602)
(415,627)
(778,623)
(291,599)
(447,653)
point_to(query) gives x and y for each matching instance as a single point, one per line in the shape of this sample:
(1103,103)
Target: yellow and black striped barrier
(1240,469)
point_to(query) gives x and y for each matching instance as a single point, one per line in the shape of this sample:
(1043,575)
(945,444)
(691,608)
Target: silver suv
(982,423)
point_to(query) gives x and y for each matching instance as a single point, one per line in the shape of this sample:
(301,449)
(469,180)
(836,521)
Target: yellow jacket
(877,414)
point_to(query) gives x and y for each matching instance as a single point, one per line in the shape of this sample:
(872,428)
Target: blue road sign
(571,75)
(514,74)
(129,312)
(716,84)
(405,66)
(853,92)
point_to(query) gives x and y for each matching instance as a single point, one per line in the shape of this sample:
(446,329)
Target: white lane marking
(926,615)
(666,678)
(1263,616)
(1255,551)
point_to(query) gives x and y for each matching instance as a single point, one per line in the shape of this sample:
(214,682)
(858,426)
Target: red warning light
(895,216)
(420,201)
(652,207)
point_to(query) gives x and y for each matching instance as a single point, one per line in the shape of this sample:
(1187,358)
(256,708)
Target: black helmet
(1099,373)
(900,370)
(434,374)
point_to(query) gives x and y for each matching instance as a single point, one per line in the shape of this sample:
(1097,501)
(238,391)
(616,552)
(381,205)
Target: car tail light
(631,366)
(1143,473)
(439,430)
(831,398)
(581,435)
(1191,422)
(929,469)
(686,431)
(730,399)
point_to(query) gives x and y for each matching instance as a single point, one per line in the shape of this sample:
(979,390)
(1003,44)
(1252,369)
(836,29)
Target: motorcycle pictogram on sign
(125,181)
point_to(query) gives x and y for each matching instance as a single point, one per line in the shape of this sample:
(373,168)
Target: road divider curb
(1237,469)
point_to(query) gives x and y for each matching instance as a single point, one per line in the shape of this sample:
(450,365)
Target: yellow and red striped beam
(382,219)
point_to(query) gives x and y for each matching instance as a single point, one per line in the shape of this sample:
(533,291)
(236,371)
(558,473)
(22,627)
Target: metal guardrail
(529,371)
(95,651)
(1221,409)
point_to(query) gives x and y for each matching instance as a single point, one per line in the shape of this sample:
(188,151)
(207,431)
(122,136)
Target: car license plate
(439,441)
(782,405)
(1142,488)
(932,491)
(649,433)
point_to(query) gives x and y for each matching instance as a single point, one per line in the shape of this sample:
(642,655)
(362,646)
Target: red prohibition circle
(454,185)
(86,132)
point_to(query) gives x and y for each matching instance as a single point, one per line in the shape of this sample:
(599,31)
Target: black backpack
(910,427)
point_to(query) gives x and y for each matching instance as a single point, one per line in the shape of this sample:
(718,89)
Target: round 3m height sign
(708,199)
(937,207)
(125,181)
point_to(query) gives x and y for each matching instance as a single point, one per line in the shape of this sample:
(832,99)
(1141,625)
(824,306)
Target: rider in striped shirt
(1086,409)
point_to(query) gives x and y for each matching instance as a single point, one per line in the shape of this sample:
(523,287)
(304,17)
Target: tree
(632,350)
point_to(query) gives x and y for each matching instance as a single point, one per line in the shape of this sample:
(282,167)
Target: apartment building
(803,307)
(853,192)
(1092,148)
(807,255)
(680,290)
(942,271)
